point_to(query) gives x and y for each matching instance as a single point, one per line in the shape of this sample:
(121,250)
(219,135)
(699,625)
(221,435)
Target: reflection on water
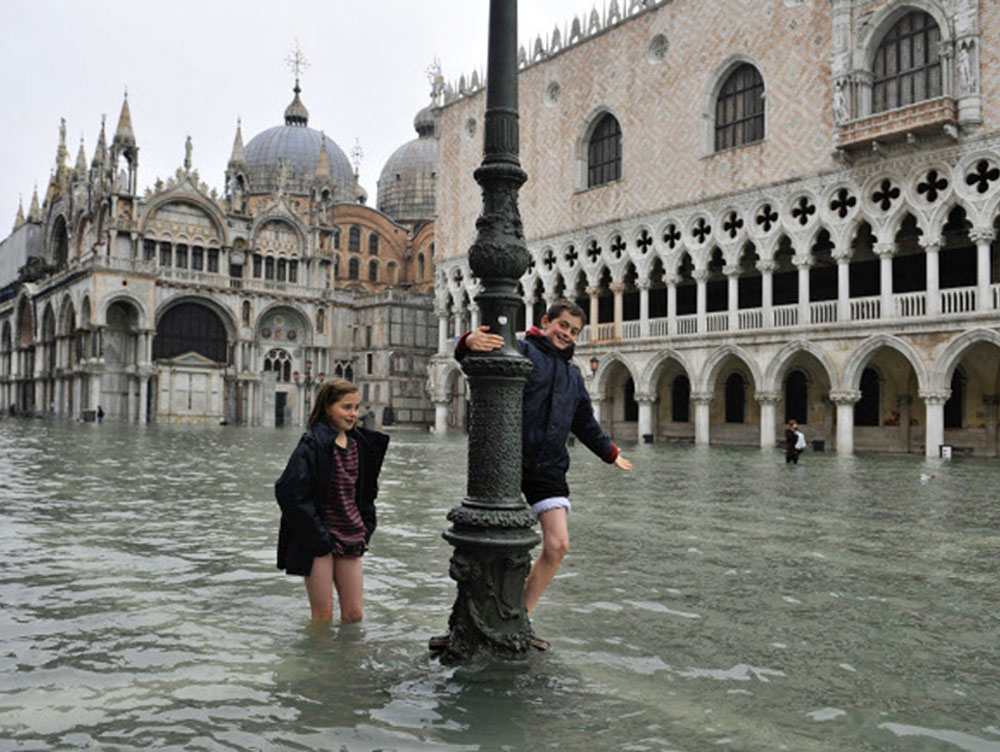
(711,598)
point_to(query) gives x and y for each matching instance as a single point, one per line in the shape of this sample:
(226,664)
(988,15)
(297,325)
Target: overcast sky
(195,67)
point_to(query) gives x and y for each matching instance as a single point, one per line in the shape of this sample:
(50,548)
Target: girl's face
(343,414)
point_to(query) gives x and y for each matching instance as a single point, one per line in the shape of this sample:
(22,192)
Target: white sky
(194,67)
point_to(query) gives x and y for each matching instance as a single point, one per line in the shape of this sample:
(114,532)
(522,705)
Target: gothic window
(354,239)
(739,109)
(352,269)
(197,258)
(373,244)
(604,152)
(282,270)
(213,260)
(796,397)
(190,327)
(148,250)
(293,271)
(280,362)
(907,67)
(866,409)
(181,257)
(269,267)
(373,271)
(165,254)
(680,399)
(736,398)
(258,265)
(955,406)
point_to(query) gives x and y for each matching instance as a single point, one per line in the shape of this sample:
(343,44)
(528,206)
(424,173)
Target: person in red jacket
(555,403)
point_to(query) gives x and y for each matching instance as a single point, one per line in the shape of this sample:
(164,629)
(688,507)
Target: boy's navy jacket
(555,403)
(306,480)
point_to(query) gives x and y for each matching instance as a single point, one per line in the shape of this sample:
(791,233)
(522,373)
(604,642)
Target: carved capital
(702,398)
(766,266)
(672,279)
(593,291)
(884,249)
(982,235)
(700,275)
(845,397)
(767,398)
(617,287)
(645,397)
(731,271)
(802,262)
(935,396)
(643,284)
(931,243)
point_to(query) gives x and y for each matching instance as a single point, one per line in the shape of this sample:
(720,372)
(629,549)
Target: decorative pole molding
(492,531)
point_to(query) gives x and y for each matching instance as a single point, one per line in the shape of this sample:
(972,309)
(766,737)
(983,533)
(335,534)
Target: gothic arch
(582,145)
(122,297)
(711,93)
(710,371)
(651,373)
(279,218)
(607,362)
(952,354)
(221,311)
(883,20)
(307,340)
(779,364)
(863,353)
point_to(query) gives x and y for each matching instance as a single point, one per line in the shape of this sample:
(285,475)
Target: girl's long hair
(328,394)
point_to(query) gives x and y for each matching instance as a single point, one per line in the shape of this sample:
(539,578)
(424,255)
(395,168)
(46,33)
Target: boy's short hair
(565,304)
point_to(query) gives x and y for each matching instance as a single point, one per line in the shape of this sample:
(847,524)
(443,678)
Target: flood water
(714,598)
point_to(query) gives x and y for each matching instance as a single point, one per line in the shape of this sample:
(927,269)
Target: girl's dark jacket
(306,481)
(555,403)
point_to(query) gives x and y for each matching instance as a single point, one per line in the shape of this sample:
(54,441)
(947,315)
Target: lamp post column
(492,529)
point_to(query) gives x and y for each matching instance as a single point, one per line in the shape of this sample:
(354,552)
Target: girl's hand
(481,340)
(623,463)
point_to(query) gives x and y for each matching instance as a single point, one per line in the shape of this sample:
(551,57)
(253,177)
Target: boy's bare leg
(555,545)
(347,578)
(319,586)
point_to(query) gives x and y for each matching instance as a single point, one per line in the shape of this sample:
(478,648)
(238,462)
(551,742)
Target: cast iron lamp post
(492,531)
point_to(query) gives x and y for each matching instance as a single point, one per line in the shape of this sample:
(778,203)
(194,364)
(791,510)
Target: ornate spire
(124,134)
(61,152)
(19,219)
(101,151)
(81,161)
(296,113)
(34,212)
(238,157)
(322,166)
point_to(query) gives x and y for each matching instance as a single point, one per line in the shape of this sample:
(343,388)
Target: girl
(327,499)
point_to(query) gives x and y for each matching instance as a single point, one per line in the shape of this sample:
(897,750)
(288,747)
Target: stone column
(594,292)
(803,263)
(904,403)
(931,248)
(766,269)
(441,416)
(457,322)
(768,402)
(618,288)
(983,240)
(672,281)
(442,315)
(844,401)
(702,416)
(595,403)
(843,287)
(474,317)
(934,400)
(529,314)
(646,402)
(701,277)
(143,399)
(643,285)
(733,296)
(95,390)
(884,251)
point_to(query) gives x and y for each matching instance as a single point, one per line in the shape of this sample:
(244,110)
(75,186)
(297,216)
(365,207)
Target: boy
(555,403)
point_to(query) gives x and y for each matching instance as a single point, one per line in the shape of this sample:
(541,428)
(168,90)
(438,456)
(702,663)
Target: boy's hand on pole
(623,463)
(481,340)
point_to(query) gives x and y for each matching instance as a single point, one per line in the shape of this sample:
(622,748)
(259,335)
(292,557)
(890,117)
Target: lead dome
(408,183)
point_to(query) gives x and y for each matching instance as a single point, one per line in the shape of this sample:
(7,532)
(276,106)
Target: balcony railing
(891,125)
(786,315)
(605,331)
(909,304)
(958,300)
(823,312)
(687,324)
(751,318)
(630,330)
(717,322)
(661,327)
(866,309)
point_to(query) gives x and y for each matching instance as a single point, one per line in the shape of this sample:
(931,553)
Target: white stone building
(771,209)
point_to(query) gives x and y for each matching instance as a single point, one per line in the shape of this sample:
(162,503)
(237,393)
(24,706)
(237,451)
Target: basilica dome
(295,148)
(407,185)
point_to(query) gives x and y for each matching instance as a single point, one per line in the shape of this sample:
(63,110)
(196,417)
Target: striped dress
(340,513)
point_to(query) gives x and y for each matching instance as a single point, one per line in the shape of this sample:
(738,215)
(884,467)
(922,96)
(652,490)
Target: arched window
(336,238)
(955,406)
(907,67)
(282,270)
(352,269)
(247,312)
(354,239)
(739,110)
(320,321)
(280,362)
(269,267)
(604,152)
(866,409)
(420,266)
(190,327)
(796,397)
(373,271)
(680,399)
(736,398)
(392,276)
(373,244)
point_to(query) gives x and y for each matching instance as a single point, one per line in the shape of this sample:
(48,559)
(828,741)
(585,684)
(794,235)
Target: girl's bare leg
(555,545)
(319,586)
(347,579)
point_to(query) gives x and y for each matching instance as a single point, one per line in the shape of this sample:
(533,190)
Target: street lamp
(595,363)
(492,530)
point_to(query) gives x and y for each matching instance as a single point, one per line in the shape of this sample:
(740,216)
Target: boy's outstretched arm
(623,463)
(478,340)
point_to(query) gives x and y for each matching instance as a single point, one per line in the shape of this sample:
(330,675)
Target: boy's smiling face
(563,330)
